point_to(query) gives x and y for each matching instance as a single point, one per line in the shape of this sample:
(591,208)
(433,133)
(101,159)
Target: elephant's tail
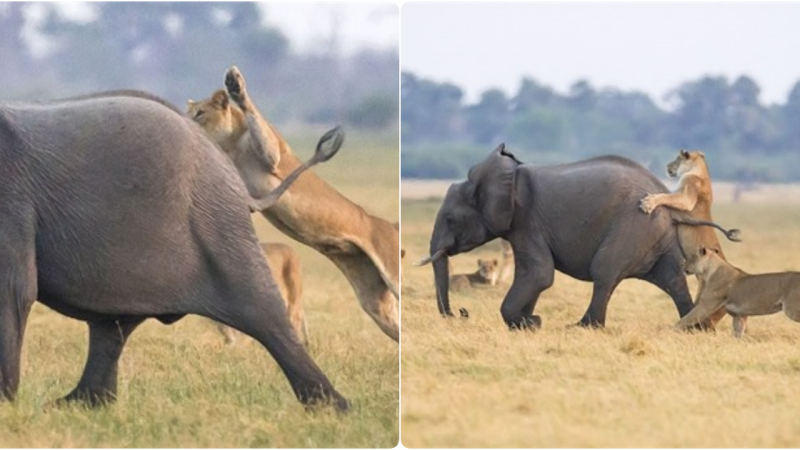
(734,234)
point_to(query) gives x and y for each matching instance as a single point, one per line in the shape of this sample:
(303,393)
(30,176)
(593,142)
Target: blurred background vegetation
(743,139)
(181,50)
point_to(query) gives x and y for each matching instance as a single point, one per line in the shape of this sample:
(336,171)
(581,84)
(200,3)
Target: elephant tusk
(430,259)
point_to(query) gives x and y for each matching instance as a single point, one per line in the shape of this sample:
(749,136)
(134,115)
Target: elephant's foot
(88,397)
(530,323)
(588,322)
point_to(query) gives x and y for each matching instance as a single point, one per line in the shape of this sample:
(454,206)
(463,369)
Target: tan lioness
(507,263)
(364,247)
(486,274)
(285,266)
(695,196)
(739,293)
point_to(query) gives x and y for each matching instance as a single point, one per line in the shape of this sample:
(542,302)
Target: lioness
(507,263)
(486,274)
(694,195)
(739,293)
(285,266)
(364,247)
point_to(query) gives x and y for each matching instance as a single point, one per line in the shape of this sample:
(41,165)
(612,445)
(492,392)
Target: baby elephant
(740,293)
(285,267)
(487,274)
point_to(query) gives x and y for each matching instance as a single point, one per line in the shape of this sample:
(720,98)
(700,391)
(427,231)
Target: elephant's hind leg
(374,296)
(667,274)
(98,384)
(595,316)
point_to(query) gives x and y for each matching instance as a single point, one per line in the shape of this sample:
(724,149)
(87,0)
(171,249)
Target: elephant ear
(493,180)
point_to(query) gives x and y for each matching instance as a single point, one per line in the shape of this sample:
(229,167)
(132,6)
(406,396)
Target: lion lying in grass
(739,293)
(364,247)
(486,274)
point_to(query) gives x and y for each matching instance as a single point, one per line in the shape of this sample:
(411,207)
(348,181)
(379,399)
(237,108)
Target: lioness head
(685,162)
(707,259)
(215,115)
(488,270)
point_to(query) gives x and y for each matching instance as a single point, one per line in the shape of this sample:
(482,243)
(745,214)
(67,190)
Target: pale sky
(358,25)
(646,46)
(309,25)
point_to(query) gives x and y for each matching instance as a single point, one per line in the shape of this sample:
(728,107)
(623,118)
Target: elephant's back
(612,173)
(585,206)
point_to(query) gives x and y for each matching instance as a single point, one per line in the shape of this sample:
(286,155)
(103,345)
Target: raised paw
(234,83)
(648,204)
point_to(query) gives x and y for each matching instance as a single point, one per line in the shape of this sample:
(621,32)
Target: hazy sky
(647,46)
(358,24)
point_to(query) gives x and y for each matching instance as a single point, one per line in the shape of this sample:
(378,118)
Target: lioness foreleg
(679,200)
(264,141)
(705,306)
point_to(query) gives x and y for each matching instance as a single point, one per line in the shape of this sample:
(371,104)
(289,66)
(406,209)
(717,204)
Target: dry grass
(637,383)
(180,386)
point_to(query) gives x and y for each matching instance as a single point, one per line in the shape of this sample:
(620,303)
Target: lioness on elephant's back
(116,208)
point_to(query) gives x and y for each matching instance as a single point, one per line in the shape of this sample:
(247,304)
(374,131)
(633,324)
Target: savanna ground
(181,386)
(636,383)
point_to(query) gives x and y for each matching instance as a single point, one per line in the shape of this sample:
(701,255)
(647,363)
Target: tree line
(743,139)
(180,50)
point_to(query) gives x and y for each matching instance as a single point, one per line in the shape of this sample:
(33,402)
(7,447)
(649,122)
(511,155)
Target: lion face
(685,162)
(488,270)
(707,258)
(214,115)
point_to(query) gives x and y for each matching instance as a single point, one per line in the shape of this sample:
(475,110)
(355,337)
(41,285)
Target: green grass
(637,383)
(181,386)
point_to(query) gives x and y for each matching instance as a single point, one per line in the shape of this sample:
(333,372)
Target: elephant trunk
(441,273)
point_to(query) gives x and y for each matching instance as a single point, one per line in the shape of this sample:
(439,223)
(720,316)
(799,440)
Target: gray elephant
(115,208)
(581,219)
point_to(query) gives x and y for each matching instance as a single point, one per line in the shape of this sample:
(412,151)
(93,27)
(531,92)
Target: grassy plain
(637,383)
(180,386)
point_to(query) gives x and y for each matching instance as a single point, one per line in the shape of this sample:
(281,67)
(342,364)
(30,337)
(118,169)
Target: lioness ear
(684,154)
(702,155)
(190,103)
(220,99)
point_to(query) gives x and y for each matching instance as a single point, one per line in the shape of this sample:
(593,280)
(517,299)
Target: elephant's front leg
(18,291)
(98,384)
(533,273)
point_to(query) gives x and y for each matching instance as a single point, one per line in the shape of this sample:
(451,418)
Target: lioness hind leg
(739,325)
(374,296)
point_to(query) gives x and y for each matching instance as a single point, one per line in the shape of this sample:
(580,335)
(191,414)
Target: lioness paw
(648,204)
(234,83)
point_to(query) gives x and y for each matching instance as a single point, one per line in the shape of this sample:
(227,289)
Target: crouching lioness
(740,293)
